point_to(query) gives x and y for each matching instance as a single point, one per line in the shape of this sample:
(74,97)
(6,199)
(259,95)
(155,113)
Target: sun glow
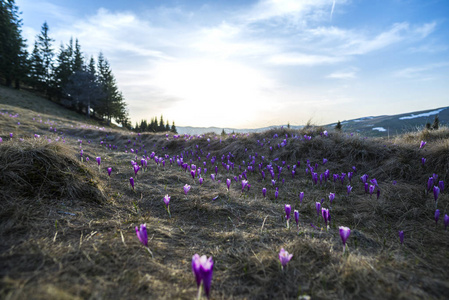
(212,92)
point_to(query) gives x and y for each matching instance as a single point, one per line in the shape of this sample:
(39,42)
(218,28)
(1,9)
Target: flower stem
(151,253)
(200,289)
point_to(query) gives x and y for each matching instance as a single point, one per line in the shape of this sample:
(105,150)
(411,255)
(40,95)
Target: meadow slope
(67,228)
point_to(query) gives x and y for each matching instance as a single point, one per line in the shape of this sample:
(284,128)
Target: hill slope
(62,241)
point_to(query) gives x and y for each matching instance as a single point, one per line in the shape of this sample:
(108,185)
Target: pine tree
(167,126)
(338,126)
(46,54)
(77,59)
(62,71)
(161,126)
(36,72)
(436,123)
(13,54)
(223,132)
(108,103)
(173,128)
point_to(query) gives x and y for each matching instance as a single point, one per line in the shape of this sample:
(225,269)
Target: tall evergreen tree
(62,71)
(112,105)
(45,52)
(78,60)
(13,55)
(161,126)
(173,128)
(167,126)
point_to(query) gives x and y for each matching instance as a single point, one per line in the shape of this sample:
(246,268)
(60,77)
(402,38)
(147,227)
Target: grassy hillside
(67,228)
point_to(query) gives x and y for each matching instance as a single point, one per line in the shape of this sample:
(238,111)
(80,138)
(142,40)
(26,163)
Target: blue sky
(249,64)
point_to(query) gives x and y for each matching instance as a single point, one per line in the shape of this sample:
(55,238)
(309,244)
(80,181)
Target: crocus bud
(288,210)
(331,197)
(401,236)
(264,192)
(318,208)
(167,200)
(296,213)
(109,171)
(131,181)
(301,197)
(344,234)
(437,216)
(142,234)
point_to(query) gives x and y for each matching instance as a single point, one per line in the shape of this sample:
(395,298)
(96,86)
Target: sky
(251,64)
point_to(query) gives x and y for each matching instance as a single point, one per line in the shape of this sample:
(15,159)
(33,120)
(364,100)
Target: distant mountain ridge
(394,124)
(370,126)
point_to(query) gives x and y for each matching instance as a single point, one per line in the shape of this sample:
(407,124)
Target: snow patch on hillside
(427,114)
(379,129)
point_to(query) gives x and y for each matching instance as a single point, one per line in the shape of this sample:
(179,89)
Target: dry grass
(67,229)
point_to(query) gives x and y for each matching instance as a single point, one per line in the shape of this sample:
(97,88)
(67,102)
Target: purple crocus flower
(142,234)
(167,200)
(325,215)
(276,194)
(344,234)
(192,172)
(441,186)
(202,268)
(349,189)
(196,269)
(186,189)
(324,161)
(331,197)
(284,257)
(109,171)
(401,236)
(423,161)
(378,194)
(131,181)
(212,176)
(446,221)
(136,169)
(301,197)
(264,192)
(228,183)
(429,184)
(296,213)
(11,135)
(364,178)
(318,208)
(288,210)
(436,193)
(437,216)
(371,189)
(244,184)
(201,180)
(422,144)
(98,160)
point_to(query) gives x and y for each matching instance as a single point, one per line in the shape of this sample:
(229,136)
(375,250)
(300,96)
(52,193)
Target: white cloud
(420,72)
(303,59)
(348,73)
